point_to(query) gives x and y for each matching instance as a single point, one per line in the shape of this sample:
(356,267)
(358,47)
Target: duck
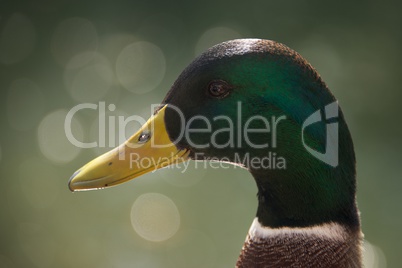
(249,102)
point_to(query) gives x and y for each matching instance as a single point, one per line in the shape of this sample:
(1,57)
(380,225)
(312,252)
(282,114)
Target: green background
(57,54)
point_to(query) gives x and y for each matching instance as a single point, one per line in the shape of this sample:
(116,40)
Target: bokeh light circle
(17,39)
(373,256)
(52,138)
(155,217)
(215,36)
(140,67)
(74,36)
(25,104)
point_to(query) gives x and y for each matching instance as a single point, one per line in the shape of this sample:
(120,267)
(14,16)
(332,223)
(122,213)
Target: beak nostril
(144,137)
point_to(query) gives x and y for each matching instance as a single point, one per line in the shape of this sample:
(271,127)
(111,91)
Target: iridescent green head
(259,104)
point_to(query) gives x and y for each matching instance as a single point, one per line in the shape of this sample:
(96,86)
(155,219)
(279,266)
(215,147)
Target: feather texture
(329,246)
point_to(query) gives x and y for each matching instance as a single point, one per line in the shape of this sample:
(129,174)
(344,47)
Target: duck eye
(218,89)
(144,137)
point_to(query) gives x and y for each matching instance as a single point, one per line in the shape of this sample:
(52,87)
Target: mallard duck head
(249,102)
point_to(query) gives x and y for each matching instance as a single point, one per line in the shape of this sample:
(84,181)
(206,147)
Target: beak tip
(70,181)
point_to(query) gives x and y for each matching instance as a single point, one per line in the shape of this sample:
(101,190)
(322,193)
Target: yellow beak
(147,150)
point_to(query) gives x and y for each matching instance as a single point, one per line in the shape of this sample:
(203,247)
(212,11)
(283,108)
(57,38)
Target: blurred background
(126,54)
